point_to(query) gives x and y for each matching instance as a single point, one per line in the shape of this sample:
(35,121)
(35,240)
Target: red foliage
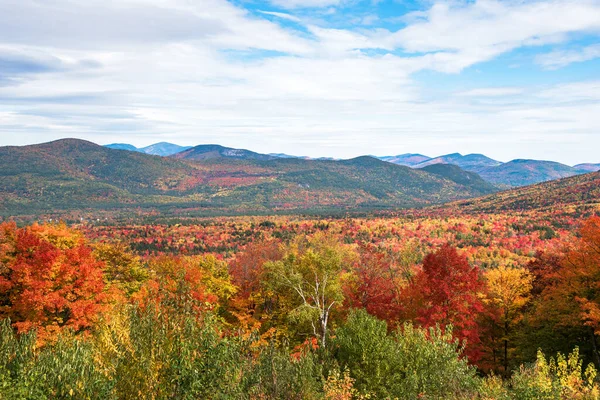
(450,289)
(246,268)
(47,284)
(374,288)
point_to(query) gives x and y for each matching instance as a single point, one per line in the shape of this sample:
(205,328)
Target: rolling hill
(572,192)
(409,159)
(526,172)
(470,162)
(460,176)
(73,174)
(585,168)
(514,173)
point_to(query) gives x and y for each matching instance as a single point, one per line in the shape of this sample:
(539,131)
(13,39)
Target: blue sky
(342,78)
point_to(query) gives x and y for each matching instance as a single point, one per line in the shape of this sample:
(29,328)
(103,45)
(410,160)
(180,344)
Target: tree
(122,269)
(199,282)
(450,290)
(373,286)
(310,273)
(508,291)
(49,279)
(410,363)
(572,296)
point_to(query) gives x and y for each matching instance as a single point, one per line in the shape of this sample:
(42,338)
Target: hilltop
(73,174)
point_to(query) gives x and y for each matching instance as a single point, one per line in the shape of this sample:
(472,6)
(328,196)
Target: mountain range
(514,173)
(163,149)
(72,174)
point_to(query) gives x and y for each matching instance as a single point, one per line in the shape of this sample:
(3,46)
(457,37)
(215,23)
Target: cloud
(212,71)
(280,15)
(562,58)
(469,33)
(291,4)
(492,92)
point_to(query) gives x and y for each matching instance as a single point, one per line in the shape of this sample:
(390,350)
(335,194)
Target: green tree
(310,274)
(407,364)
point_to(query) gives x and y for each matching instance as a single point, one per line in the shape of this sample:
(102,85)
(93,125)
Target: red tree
(450,290)
(373,286)
(49,279)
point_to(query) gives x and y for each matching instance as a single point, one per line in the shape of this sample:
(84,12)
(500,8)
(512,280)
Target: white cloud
(201,75)
(562,58)
(291,4)
(469,33)
(287,16)
(492,92)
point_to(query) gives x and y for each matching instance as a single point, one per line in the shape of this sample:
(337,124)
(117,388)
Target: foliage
(310,273)
(508,292)
(122,269)
(450,290)
(560,378)
(410,363)
(49,279)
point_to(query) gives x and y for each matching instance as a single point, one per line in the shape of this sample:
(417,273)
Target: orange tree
(49,279)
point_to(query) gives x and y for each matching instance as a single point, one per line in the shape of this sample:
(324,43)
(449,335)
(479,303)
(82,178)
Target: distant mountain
(460,176)
(283,155)
(526,172)
(158,149)
(123,146)
(585,168)
(470,162)
(409,159)
(164,149)
(71,175)
(214,151)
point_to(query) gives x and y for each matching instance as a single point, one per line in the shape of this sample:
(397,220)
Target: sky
(340,78)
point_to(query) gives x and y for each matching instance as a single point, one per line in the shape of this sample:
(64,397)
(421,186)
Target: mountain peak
(215,151)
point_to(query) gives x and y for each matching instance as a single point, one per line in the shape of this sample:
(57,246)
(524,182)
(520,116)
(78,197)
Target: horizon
(463,154)
(319,78)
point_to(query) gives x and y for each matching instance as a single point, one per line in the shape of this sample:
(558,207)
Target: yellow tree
(310,276)
(508,292)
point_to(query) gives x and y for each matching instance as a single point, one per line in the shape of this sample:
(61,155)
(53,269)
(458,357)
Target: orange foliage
(49,279)
(178,282)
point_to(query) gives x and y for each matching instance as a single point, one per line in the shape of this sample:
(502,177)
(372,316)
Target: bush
(410,363)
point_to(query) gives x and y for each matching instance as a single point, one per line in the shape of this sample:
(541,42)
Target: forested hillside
(73,175)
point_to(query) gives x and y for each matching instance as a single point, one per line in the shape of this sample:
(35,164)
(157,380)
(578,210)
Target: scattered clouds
(296,81)
(562,58)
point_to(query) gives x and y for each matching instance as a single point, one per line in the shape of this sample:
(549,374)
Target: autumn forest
(430,304)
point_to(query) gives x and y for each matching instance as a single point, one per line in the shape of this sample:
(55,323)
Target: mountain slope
(213,151)
(73,174)
(575,191)
(123,146)
(470,162)
(526,172)
(586,168)
(460,176)
(409,159)
(164,149)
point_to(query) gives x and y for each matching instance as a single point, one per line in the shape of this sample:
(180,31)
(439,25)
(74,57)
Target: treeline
(311,317)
